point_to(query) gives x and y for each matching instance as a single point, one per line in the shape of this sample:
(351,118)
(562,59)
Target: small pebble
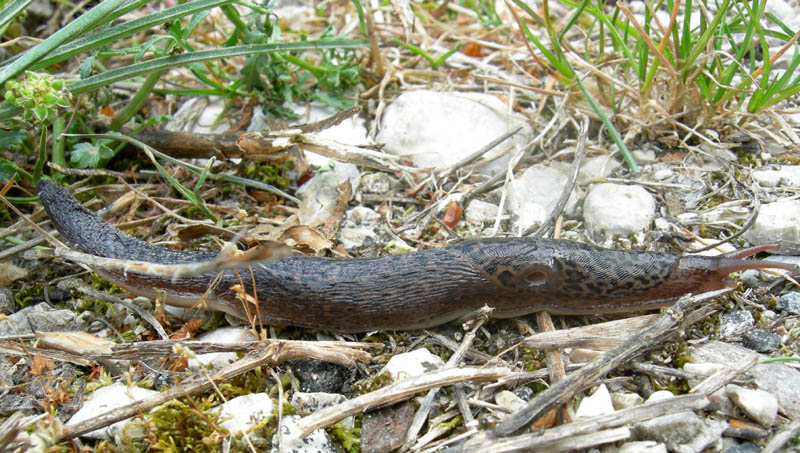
(617,210)
(745,430)
(790,303)
(759,405)
(509,400)
(384,430)
(761,340)
(316,442)
(599,403)
(243,412)
(744,447)
(734,323)
(414,363)
(479,211)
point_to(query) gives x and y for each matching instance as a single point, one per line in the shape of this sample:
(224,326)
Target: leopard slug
(515,276)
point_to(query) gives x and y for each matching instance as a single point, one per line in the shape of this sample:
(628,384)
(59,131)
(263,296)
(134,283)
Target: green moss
(274,174)
(452,424)
(748,159)
(24,297)
(349,438)
(178,426)
(371,384)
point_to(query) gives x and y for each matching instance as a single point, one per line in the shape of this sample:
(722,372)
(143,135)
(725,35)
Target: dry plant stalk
(272,354)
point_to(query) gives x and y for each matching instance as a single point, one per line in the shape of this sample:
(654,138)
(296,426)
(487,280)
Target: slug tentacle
(750,251)
(516,276)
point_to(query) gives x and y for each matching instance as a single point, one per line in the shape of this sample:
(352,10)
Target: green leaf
(159,63)
(87,155)
(13,138)
(7,170)
(41,113)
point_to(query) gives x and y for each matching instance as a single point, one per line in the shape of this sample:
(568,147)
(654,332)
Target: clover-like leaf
(87,155)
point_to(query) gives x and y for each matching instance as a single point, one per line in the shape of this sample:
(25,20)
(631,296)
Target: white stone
(306,403)
(787,175)
(108,398)
(509,400)
(759,405)
(625,400)
(321,194)
(243,412)
(351,131)
(777,222)
(781,381)
(615,209)
(705,369)
(353,238)
(683,432)
(734,323)
(198,115)
(410,364)
(479,211)
(361,215)
(533,195)
(767,178)
(597,167)
(378,182)
(217,360)
(584,355)
(643,156)
(644,446)
(599,403)
(289,440)
(338,173)
(436,130)
(663,174)
(660,395)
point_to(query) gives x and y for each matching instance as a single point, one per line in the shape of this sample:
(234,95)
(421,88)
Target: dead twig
(395,392)
(272,354)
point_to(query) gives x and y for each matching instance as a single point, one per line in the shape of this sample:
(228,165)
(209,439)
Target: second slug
(516,276)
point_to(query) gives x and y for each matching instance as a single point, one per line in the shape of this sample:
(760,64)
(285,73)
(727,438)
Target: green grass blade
(11,11)
(160,63)
(709,33)
(86,21)
(612,131)
(121,31)
(362,20)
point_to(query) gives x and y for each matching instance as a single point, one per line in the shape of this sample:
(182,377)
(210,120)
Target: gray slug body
(515,276)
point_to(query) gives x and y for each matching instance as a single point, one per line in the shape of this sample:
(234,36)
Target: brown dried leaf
(40,366)
(303,235)
(189,232)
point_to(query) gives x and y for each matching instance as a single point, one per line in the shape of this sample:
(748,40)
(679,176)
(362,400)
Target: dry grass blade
(668,324)
(594,336)
(396,392)
(548,440)
(272,354)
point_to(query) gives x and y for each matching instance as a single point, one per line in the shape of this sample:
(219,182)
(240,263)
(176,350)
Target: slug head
(701,274)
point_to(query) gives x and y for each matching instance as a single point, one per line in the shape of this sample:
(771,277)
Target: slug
(515,276)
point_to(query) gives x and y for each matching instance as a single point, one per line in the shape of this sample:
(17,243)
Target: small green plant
(669,66)
(39,95)
(88,155)
(434,62)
